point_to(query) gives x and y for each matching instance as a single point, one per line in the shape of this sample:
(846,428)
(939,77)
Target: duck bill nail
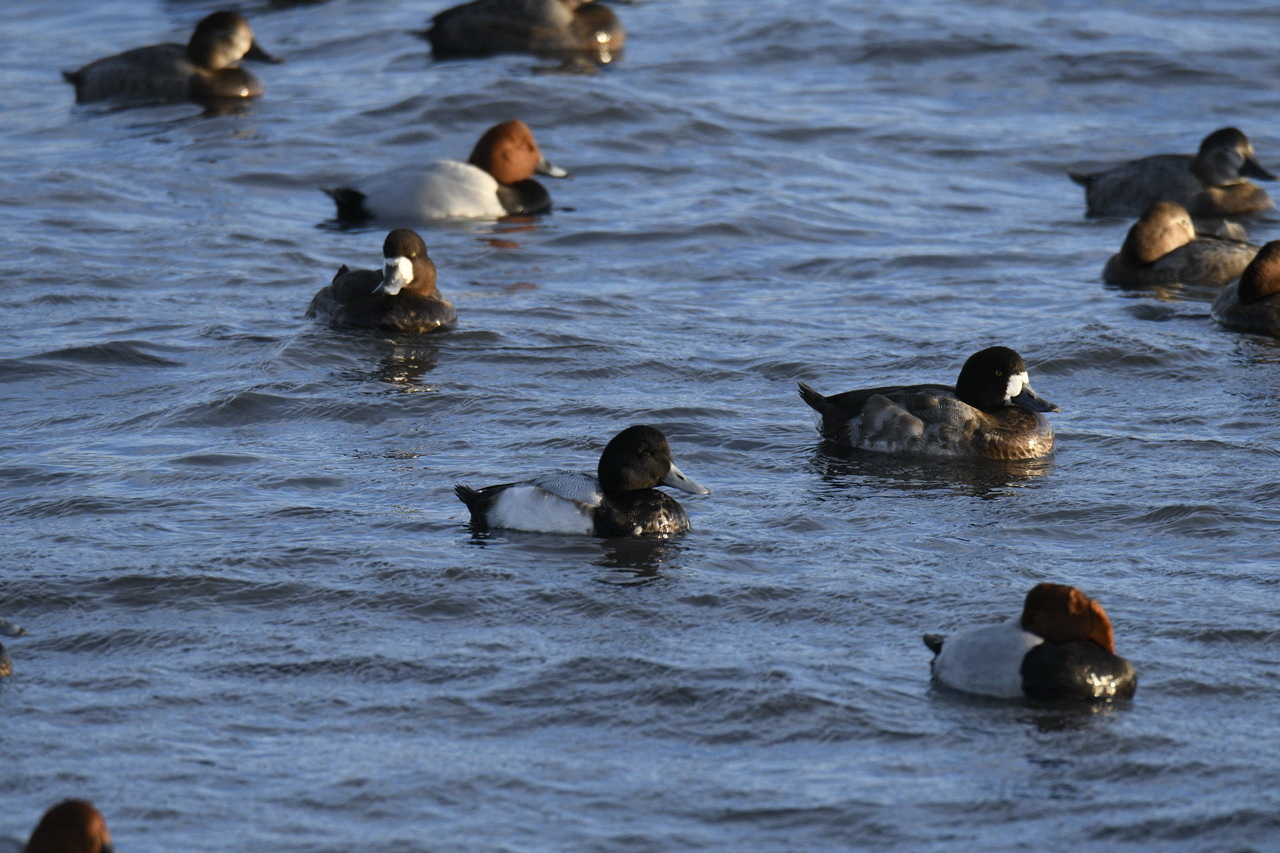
(258,54)
(551,170)
(1253,169)
(677,480)
(1029,399)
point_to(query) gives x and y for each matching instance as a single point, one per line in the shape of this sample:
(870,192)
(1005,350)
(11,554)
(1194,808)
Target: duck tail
(934,642)
(816,401)
(350,203)
(1080,178)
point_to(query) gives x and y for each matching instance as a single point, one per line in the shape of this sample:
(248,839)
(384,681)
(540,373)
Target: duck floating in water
(1062,647)
(72,826)
(401,297)
(204,69)
(991,413)
(496,181)
(1163,248)
(621,500)
(1252,304)
(1211,184)
(558,29)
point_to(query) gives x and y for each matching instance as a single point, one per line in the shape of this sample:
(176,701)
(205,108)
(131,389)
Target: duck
(401,297)
(72,826)
(1252,304)
(6,662)
(203,69)
(620,500)
(1212,184)
(1163,248)
(1061,648)
(991,413)
(496,181)
(563,29)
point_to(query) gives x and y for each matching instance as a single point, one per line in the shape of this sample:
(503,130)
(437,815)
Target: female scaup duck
(203,69)
(1163,248)
(1252,304)
(496,181)
(563,29)
(72,826)
(619,501)
(991,412)
(401,297)
(1210,184)
(1061,648)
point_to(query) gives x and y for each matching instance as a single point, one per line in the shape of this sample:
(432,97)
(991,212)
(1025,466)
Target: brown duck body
(1210,184)
(992,413)
(1252,304)
(561,29)
(1163,248)
(400,298)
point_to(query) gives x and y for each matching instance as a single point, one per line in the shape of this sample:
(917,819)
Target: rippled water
(258,619)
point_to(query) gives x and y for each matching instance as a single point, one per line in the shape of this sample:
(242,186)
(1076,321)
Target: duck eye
(999,373)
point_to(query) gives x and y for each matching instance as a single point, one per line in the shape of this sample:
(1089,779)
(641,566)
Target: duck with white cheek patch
(401,297)
(991,413)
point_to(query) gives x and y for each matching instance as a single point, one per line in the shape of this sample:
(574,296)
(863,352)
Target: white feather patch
(986,661)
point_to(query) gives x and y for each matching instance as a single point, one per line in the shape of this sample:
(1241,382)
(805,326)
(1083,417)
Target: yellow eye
(999,373)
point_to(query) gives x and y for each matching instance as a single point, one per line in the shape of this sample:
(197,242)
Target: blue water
(259,621)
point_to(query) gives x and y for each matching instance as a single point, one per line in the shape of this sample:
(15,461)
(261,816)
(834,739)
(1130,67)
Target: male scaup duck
(1163,248)
(203,69)
(496,181)
(72,826)
(562,29)
(401,297)
(1252,304)
(1061,648)
(621,500)
(991,412)
(1213,183)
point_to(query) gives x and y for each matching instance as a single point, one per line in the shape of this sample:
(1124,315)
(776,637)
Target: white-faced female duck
(559,29)
(204,69)
(401,297)
(1252,304)
(1163,248)
(72,826)
(1211,184)
(990,413)
(621,500)
(1061,648)
(496,181)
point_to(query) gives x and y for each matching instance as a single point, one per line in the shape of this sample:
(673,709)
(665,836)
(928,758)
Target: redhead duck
(561,29)
(496,181)
(203,69)
(1210,184)
(1252,304)
(401,297)
(991,413)
(1061,648)
(1163,248)
(72,826)
(621,500)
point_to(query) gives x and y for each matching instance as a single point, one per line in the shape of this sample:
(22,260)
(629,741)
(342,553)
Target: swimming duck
(1061,648)
(1210,184)
(1252,304)
(203,69)
(621,500)
(72,826)
(401,297)
(6,662)
(496,181)
(564,29)
(991,412)
(1163,248)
